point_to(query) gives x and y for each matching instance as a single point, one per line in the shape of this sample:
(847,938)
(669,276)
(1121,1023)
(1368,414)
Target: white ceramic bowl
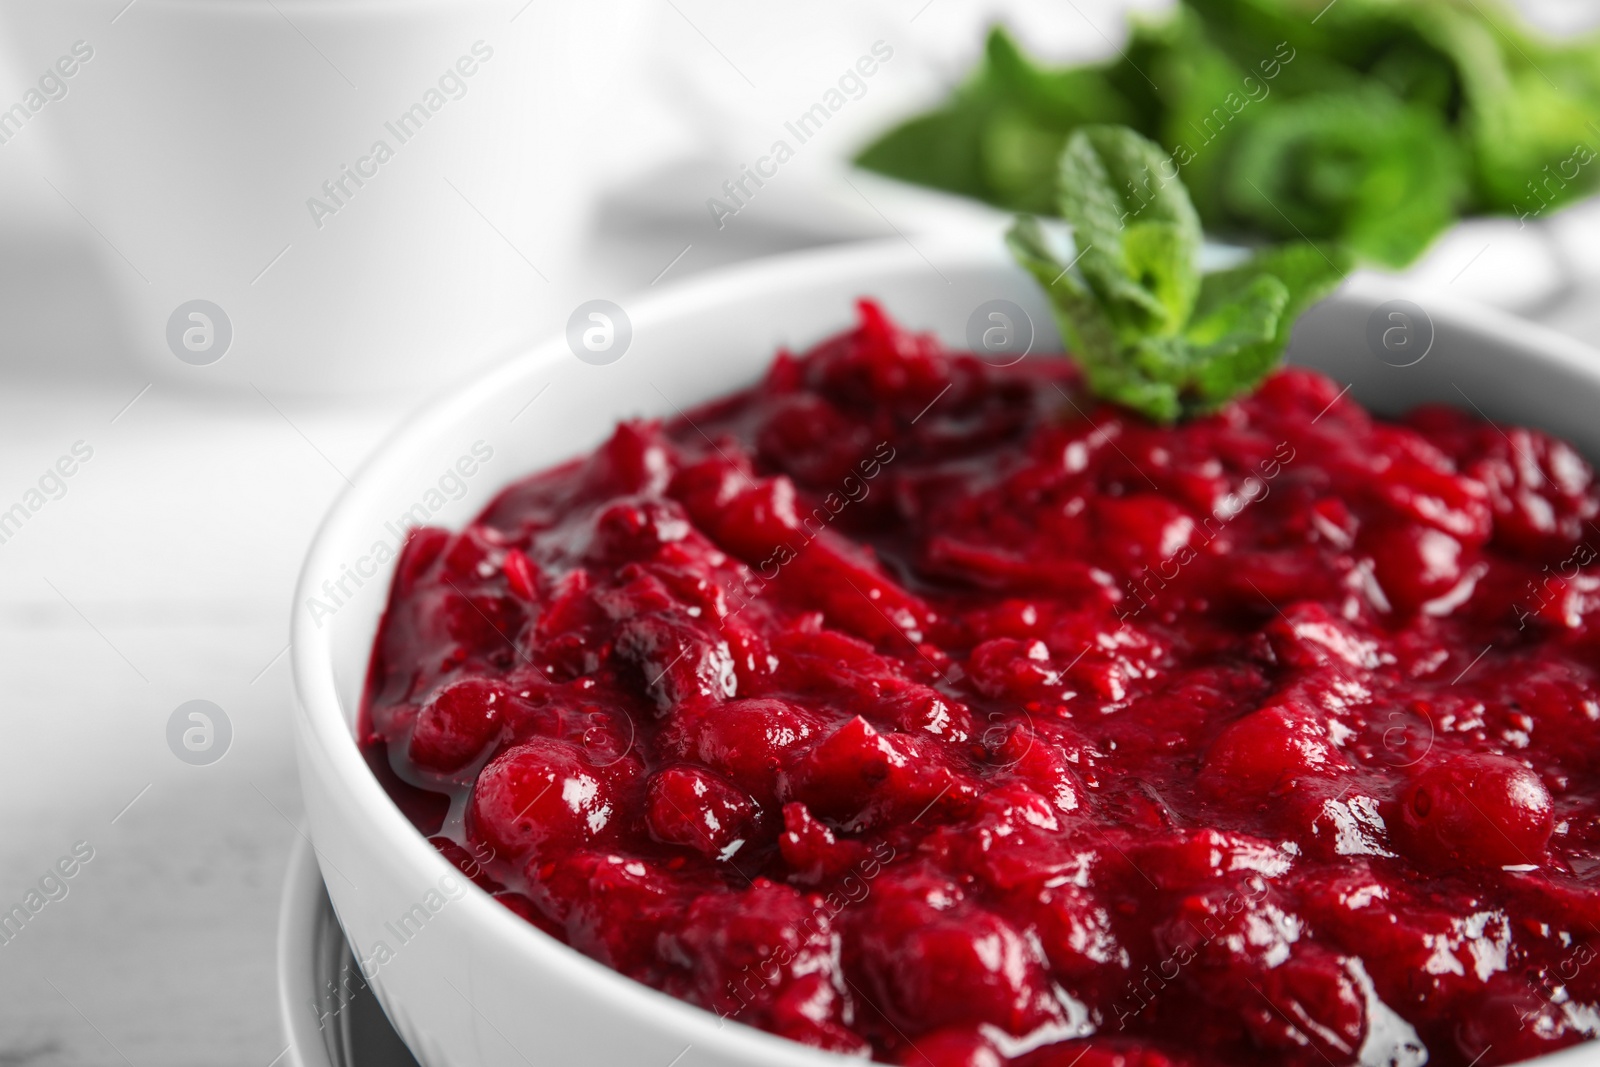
(478,985)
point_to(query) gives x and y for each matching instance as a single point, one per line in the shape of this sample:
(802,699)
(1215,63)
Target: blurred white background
(176,167)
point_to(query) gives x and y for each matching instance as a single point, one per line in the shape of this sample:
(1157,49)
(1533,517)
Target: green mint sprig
(1371,123)
(1149,330)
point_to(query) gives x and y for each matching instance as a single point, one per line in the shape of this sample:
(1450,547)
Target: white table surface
(163,575)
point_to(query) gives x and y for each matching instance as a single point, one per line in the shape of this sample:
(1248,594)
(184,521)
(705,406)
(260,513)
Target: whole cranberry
(1414,563)
(1267,749)
(693,807)
(744,739)
(612,907)
(1474,811)
(540,795)
(456,724)
(928,966)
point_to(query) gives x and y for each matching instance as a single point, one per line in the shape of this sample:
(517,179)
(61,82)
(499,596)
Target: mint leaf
(1085,325)
(1309,271)
(940,150)
(1362,168)
(998,137)
(1017,158)
(1242,324)
(1201,86)
(1237,339)
(1534,130)
(1137,232)
(1370,123)
(1236,313)
(1149,331)
(1061,100)
(1090,335)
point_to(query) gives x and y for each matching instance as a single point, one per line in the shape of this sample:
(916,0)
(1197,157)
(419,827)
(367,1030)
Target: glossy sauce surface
(912,707)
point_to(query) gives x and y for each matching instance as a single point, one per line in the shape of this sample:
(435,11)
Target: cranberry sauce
(911,707)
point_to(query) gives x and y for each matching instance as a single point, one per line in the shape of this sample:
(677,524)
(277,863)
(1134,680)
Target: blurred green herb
(1370,123)
(1151,332)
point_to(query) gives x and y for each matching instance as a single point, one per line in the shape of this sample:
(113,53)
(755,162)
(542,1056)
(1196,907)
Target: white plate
(329,1016)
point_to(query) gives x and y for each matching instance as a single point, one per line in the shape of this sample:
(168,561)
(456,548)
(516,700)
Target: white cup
(323,195)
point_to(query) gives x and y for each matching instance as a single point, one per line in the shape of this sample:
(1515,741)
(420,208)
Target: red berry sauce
(912,707)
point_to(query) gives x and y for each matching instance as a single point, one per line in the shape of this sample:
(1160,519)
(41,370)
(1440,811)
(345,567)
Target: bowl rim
(319,719)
